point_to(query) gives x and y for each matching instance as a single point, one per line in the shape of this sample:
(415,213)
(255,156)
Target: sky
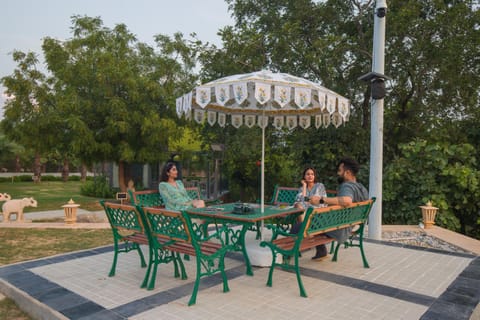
(24,23)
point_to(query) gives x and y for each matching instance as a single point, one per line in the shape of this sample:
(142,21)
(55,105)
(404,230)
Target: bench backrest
(193,192)
(168,224)
(288,195)
(331,193)
(284,195)
(146,198)
(320,220)
(123,218)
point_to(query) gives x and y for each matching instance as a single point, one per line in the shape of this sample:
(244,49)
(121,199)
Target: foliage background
(109,97)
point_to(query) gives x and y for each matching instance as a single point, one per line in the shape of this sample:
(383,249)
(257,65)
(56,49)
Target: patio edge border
(29,305)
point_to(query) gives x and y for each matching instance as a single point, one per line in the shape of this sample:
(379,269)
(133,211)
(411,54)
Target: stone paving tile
(401,283)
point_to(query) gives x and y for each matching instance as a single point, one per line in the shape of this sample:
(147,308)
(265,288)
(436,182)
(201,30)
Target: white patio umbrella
(264,97)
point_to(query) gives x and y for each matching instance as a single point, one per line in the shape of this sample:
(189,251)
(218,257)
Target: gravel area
(420,239)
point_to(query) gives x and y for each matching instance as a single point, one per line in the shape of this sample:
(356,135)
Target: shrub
(51,178)
(446,174)
(98,187)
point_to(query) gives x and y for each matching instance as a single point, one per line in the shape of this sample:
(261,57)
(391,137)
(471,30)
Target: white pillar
(115,180)
(146,176)
(376,135)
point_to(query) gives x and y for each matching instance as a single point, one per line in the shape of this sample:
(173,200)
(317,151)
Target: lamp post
(377,81)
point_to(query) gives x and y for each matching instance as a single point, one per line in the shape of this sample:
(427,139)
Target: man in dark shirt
(350,191)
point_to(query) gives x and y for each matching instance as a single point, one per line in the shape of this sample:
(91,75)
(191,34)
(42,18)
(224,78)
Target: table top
(225,211)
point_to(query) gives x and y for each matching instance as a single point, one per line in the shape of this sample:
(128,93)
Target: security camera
(381,8)
(381,12)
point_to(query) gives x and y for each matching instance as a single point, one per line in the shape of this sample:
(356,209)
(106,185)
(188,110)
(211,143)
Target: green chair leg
(332,247)
(151,285)
(299,278)
(183,273)
(193,298)
(224,274)
(149,268)
(114,263)
(143,264)
(336,252)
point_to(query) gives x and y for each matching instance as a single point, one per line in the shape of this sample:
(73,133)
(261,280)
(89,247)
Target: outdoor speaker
(378,89)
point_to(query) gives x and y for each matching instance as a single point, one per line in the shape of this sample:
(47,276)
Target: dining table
(242,217)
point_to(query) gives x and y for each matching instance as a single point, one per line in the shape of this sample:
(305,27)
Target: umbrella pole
(262,179)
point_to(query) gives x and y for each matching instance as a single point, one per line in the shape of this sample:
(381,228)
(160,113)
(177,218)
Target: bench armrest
(279,231)
(220,234)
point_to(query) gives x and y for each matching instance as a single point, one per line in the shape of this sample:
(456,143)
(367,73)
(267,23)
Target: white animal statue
(16,206)
(5,197)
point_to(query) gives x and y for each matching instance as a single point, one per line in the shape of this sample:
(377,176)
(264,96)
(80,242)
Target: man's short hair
(350,164)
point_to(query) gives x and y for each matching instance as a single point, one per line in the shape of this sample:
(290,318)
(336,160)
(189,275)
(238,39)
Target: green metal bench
(288,195)
(194,193)
(331,193)
(128,228)
(283,195)
(146,198)
(316,223)
(174,231)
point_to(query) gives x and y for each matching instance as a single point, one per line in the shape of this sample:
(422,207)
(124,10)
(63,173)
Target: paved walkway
(403,282)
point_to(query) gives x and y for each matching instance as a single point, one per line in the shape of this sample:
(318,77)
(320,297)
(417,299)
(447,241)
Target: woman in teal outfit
(173,191)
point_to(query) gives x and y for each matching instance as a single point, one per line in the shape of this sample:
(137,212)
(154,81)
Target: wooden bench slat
(307,243)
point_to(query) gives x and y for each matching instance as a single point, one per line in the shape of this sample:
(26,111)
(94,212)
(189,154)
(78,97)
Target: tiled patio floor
(402,283)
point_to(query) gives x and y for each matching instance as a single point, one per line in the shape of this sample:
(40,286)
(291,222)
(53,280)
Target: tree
(9,150)
(433,50)
(323,41)
(432,54)
(29,117)
(445,173)
(113,94)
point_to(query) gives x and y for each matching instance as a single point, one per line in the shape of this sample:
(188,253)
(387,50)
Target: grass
(50,195)
(26,244)
(10,311)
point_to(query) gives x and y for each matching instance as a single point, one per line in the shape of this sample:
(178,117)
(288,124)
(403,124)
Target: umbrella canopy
(258,97)
(264,97)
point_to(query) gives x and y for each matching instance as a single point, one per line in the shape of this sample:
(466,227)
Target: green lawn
(50,195)
(26,244)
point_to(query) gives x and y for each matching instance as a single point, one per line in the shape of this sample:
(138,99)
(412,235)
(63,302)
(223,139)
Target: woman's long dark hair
(314,173)
(167,167)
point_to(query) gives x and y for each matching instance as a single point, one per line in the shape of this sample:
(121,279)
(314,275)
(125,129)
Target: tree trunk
(65,170)
(37,168)
(121,176)
(83,172)
(18,167)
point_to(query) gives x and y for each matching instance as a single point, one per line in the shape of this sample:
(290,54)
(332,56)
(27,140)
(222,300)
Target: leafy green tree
(29,112)
(430,46)
(433,50)
(444,173)
(113,93)
(8,151)
(326,42)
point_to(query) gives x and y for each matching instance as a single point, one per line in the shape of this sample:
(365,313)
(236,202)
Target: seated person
(310,187)
(173,192)
(350,191)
